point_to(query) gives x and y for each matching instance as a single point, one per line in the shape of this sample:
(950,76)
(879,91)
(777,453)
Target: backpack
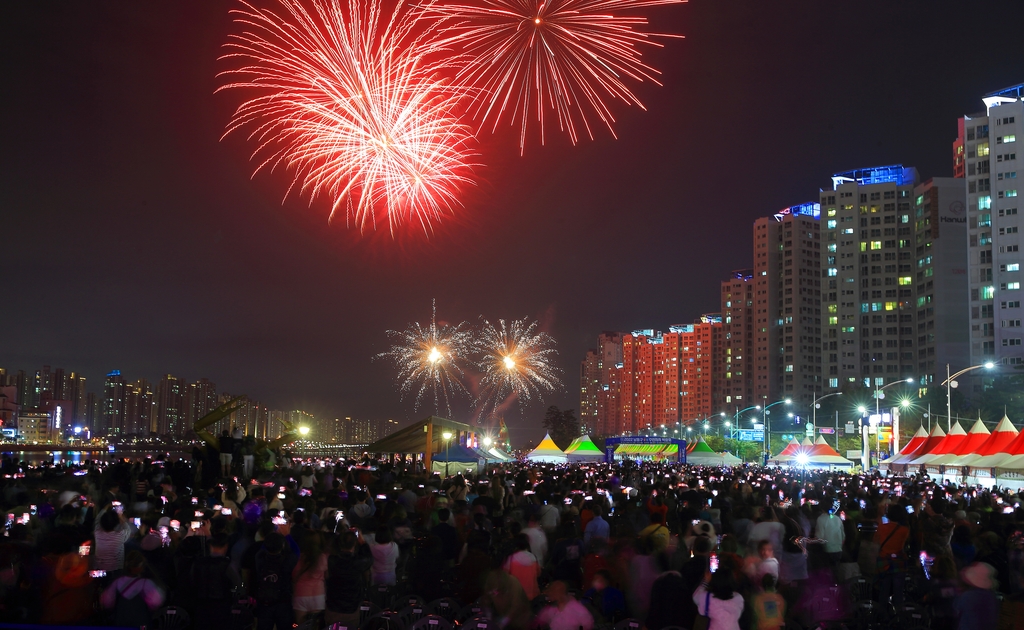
(271,587)
(209,578)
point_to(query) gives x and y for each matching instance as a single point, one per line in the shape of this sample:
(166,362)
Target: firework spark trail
(515,361)
(353,102)
(431,359)
(563,55)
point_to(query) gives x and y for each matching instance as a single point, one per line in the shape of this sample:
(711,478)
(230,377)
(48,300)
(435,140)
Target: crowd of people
(356,543)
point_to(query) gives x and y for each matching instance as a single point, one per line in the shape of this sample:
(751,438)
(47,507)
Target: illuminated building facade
(940,279)
(668,379)
(36,427)
(738,340)
(113,404)
(138,408)
(867,268)
(170,414)
(200,399)
(599,384)
(994,226)
(787,331)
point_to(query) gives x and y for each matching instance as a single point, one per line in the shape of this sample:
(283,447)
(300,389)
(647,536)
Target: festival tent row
(978,455)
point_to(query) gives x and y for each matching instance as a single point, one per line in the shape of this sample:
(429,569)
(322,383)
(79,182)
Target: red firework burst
(570,56)
(353,103)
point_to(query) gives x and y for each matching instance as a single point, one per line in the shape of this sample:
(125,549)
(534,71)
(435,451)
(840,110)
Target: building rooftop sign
(895,173)
(810,209)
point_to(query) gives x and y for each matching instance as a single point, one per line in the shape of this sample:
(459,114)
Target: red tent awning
(1001,437)
(931,451)
(906,455)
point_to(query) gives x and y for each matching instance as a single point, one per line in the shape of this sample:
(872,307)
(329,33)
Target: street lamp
(878,396)
(303,431)
(487,442)
(814,413)
(447,435)
(949,383)
(768,427)
(736,416)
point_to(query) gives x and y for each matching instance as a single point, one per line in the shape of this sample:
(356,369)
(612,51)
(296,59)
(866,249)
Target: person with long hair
(718,597)
(308,577)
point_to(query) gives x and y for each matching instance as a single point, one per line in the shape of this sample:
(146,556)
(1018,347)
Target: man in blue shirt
(597,527)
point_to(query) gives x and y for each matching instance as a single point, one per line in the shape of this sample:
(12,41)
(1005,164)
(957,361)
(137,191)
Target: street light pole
(447,435)
(736,416)
(878,396)
(815,406)
(949,382)
(767,427)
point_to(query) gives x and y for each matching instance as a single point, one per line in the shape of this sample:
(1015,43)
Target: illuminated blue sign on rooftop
(114,373)
(1014,91)
(646,332)
(688,328)
(894,174)
(809,209)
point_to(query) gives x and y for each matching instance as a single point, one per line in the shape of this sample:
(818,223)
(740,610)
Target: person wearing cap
(977,606)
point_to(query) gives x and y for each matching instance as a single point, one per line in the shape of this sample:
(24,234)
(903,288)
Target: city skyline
(138,240)
(167,408)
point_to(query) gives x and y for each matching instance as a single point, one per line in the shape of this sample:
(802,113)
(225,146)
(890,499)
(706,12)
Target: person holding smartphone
(111,534)
(718,597)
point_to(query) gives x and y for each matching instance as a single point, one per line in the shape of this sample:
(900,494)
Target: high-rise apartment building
(200,399)
(77,393)
(169,412)
(599,390)
(942,309)
(93,416)
(867,266)
(42,386)
(590,383)
(669,379)
(989,141)
(738,340)
(787,306)
(113,404)
(636,385)
(138,408)
(701,370)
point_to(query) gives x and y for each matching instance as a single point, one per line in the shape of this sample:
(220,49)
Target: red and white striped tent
(944,446)
(1012,456)
(994,446)
(787,453)
(907,455)
(822,455)
(977,436)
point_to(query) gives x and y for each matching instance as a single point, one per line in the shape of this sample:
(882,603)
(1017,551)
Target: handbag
(702,622)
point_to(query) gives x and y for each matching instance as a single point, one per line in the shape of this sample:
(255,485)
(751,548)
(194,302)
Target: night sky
(135,239)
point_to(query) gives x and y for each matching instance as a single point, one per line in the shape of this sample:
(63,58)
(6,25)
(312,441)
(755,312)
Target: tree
(563,426)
